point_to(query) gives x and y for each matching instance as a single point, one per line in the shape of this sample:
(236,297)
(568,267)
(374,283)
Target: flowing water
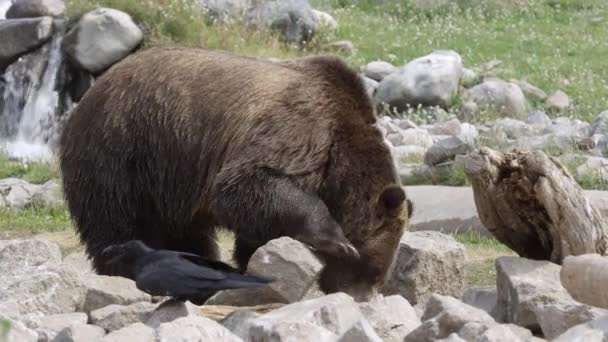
(30,99)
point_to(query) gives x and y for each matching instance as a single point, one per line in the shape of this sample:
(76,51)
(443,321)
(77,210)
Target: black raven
(176,274)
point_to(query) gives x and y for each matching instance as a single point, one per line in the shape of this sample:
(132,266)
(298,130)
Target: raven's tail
(236,280)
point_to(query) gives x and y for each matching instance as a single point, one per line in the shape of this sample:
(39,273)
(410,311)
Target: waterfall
(4,5)
(31,101)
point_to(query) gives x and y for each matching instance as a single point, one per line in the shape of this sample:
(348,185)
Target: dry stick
(530,202)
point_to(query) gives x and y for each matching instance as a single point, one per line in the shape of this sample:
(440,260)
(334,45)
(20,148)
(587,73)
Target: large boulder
(35,8)
(34,281)
(431,80)
(445,315)
(420,255)
(524,288)
(101,38)
(194,328)
(593,331)
(295,20)
(392,317)
(19,36)
(600,124)
(447,149)
(102,291)
(378,70)
(18,194)
(556,319)
(503,97)
(294,267)
(320,319)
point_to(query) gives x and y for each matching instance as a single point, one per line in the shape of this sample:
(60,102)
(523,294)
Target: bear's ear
(392,198)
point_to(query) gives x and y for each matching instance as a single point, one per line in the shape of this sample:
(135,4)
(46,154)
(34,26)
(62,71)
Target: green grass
(481,254)
(34,220)
(37,172)
(553,44)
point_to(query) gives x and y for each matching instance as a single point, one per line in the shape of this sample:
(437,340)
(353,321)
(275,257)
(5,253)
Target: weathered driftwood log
(585,278)
(531,203)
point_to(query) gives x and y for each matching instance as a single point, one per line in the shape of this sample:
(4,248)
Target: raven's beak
(115,253)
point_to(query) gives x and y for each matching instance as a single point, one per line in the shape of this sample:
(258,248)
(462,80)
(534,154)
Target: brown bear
(174,142)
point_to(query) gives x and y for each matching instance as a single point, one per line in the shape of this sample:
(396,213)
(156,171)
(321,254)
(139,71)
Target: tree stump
(531,203)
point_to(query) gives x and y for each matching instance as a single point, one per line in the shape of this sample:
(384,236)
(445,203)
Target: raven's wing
(174,277)
(215,264)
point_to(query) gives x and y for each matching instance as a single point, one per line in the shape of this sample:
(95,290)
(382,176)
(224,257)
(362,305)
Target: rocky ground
(47,296)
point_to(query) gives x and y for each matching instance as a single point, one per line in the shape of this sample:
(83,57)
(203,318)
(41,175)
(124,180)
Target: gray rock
(370,86)
(503,97)
(524,287)
(79,261)
(239,322)
(325,20)
(594,166)
(469,78)
(378,70)
(336,313)
(295,331)
(18,194)
(556,319)
(469,111)
(538,118)
(34,281)
(450,127)
(135,332)
(193,329)
(102,291)
(362,331)
(170,311)
(296,264)
(16,256)
(412,136)
(35,8)
(115,317)
(481,298)
(513,128)
(431,80)
(223,10)
(554,142)
(423,253)
(48,195)
(80,333)
(445,315)
(101,38)
(49,326)
(19,36)
(293,19)
(446,149)
(531,92)
(569,127)
(392,317)
(600,124)
(558,102)
(594,331)
(17,331)
(453,337)
(481,332)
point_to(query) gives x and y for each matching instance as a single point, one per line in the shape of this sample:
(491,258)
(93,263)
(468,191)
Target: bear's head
(363,193)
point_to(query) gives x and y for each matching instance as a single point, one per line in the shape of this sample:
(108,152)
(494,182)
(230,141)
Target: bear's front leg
(265,205)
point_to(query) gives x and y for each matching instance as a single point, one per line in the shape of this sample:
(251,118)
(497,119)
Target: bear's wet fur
(174,142)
